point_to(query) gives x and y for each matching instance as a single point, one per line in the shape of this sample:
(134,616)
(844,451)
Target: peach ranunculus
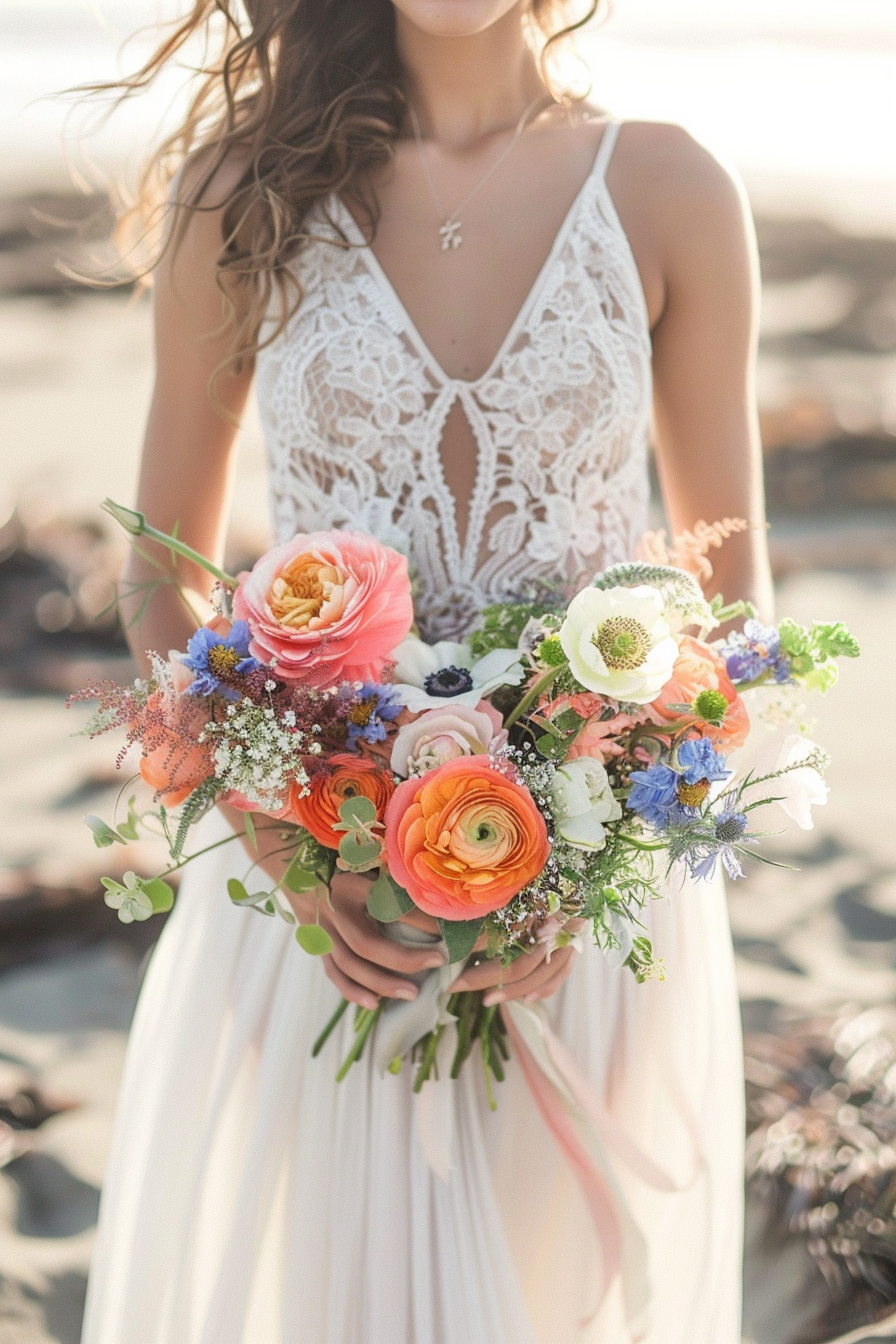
(464,839)
(699,668)
(326,606)
(441,735)
(174,761)
(344,776)
(598,738)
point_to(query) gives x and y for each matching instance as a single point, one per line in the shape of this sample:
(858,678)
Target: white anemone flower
(618,642)
(418,666)
(802,786)
(582,801)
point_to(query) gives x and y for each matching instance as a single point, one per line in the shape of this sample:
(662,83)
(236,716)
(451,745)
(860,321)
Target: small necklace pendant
(450,235)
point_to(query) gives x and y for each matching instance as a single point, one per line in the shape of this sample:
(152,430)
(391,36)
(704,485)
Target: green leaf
(359,852)
(299,879)
(358,811)
(240,896)
(387,901)
(833,640)
(552,748)
(314,940)
(460,936)
(568,721)
(129,828)
(249,824)
(160,894)
(103,834)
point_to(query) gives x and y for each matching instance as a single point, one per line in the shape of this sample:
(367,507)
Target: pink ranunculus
(326,606)
(440,735)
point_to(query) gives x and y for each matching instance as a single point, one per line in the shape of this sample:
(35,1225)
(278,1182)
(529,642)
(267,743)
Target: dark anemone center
(448,681)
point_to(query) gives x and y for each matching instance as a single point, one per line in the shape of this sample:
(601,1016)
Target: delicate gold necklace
(450,230)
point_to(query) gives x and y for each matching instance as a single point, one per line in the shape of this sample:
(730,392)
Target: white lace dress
(249,1198)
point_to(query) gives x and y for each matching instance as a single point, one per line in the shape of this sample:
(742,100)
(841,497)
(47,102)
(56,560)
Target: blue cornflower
(215,658)
(374,706)
(654,795)
(698,760)
(729,828)
(756,650)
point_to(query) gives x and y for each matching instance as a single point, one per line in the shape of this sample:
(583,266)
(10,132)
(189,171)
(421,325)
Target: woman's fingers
(348,911)
(535,984)
(490,973)
(349,989)
(369,974)
(551,985)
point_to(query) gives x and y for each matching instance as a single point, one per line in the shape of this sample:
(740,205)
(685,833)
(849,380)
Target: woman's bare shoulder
(676,179)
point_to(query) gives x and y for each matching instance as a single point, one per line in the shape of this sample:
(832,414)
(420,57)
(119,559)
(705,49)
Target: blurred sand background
(801,98)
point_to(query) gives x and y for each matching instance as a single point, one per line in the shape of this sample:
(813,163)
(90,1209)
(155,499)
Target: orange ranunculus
(174,761)
(345,776)
(464,839)
(699,668)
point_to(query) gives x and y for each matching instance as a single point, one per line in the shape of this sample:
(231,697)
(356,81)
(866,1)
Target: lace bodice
(353,406)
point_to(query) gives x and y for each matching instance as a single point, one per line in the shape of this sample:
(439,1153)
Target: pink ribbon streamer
(586,1134)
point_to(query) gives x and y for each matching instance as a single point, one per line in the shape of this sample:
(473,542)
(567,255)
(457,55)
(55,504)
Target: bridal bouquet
(538,778)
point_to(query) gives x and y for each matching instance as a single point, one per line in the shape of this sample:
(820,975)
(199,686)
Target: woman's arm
(188,450)
(185,479)
(708,448)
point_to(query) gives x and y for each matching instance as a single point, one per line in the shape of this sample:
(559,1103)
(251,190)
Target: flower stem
(328,1029)
(531,696)
(639,844)
(135,523)
(366,1021)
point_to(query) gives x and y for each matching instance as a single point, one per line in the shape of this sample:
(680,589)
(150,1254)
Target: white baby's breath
(257,754)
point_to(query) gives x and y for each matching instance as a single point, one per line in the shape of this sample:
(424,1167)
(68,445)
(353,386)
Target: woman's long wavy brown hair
(293,100)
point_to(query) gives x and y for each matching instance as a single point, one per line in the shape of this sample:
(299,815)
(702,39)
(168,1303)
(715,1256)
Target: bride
(462,293)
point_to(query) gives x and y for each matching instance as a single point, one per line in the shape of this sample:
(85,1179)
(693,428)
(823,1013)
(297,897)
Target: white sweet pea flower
(131,901)
(420,667)
(802,786)
(582,800)
(618,642)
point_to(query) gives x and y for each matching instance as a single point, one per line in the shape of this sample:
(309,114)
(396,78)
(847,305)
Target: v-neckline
(357,239)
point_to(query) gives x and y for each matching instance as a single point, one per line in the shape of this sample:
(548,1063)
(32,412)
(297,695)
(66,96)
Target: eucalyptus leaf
(358,811)
(240,896)
(460,936)
(160,894)
(387,901)
(359,852)
(103,834)
(299,879)
(314,940)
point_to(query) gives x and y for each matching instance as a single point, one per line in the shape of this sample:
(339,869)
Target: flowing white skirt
(250,1199)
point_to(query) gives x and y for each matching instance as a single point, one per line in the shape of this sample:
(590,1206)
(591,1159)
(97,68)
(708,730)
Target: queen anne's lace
(354,405)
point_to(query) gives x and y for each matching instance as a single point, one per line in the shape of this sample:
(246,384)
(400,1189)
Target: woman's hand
(364,966)
(530,977)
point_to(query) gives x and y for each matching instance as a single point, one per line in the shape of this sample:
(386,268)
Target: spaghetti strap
(605,149)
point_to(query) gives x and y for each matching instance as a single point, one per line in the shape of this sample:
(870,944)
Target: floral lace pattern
(353,407)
